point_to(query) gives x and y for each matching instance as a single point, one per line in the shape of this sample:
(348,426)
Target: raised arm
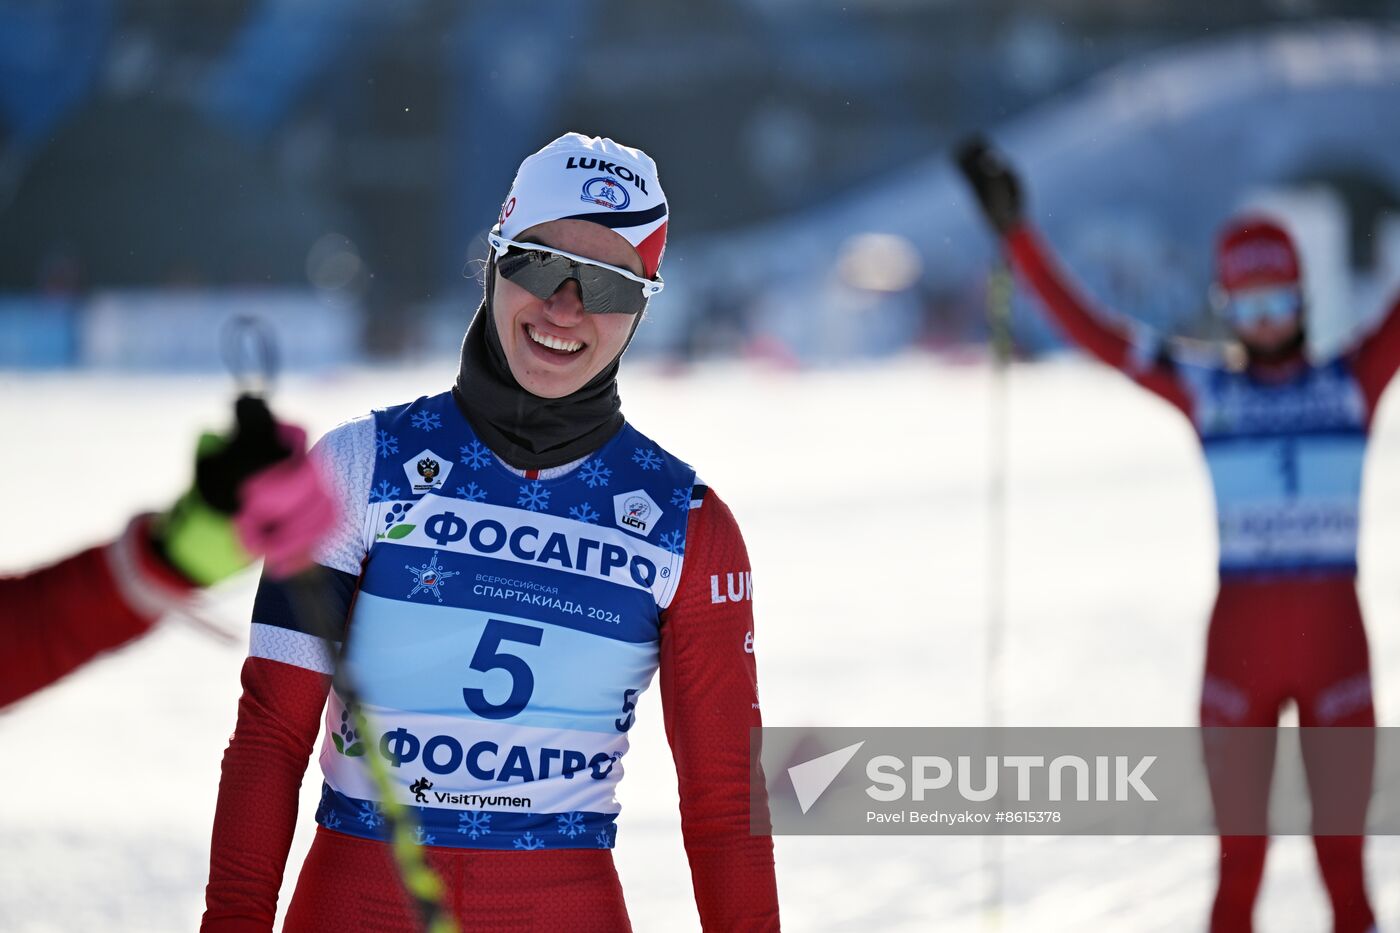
(285,680)
(255,493)
(1141,356)
(709,691)
(54,620)
(1377,357)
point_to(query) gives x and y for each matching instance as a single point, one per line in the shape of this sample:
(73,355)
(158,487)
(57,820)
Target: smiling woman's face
(554,347)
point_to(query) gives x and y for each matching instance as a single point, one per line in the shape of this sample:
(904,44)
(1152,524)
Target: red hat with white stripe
(579,177)
(1254,252)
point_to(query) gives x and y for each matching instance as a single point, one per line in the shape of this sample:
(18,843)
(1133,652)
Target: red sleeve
(1375,360)
(1086,326)
(279,718)
(709,692)
(55,620)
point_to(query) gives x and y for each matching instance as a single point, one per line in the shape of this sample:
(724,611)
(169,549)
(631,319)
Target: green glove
(197,535)
(197,539)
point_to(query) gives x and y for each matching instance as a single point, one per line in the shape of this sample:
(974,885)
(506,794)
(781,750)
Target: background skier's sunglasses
(540,270)
(1275,303)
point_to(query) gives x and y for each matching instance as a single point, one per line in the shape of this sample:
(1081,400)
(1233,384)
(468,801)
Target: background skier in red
(1284,438)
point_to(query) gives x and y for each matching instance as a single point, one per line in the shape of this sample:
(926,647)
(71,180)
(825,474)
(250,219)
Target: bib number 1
(489,657)
(1288,466)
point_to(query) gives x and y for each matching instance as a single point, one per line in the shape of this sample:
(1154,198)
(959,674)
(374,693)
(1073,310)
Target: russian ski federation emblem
(428,577)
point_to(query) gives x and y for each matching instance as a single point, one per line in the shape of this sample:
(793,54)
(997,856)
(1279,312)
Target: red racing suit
(1286,623)
(56,619)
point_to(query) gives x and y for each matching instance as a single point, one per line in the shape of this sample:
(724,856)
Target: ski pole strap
(250,354)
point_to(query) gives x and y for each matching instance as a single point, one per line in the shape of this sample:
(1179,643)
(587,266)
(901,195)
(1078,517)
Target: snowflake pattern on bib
(503,630)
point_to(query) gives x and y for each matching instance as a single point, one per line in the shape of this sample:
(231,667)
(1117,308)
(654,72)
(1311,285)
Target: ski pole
(999,284)
(250,353)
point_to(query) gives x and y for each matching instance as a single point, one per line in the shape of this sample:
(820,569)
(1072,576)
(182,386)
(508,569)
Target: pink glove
(286,509)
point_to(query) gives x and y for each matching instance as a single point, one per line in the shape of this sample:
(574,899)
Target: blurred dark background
(334,163)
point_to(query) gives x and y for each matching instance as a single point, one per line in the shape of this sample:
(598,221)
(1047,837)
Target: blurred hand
(995,183)
(256,493)
(286,510)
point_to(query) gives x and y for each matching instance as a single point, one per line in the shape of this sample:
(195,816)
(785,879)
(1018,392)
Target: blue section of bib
(472,828)
(524,608)
(1285,463)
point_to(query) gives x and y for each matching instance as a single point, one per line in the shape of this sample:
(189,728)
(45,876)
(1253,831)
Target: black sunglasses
(540,270)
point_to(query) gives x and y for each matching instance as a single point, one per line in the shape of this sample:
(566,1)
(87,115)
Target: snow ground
(871,562)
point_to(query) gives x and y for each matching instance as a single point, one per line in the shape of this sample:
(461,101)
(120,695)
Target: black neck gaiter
(1288,353)
(529,432)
